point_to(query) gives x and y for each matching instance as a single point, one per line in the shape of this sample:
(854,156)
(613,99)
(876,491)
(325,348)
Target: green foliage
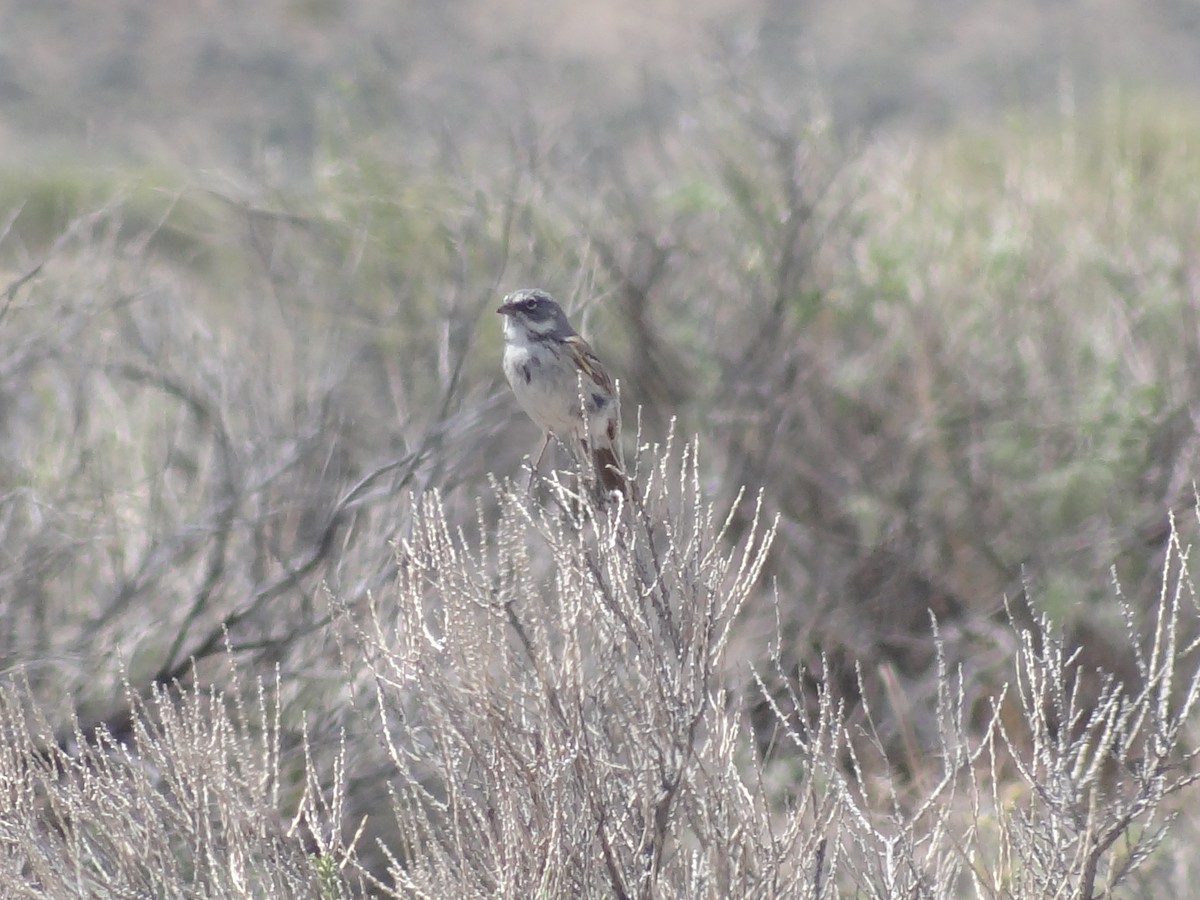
(1038,275)
(157,208)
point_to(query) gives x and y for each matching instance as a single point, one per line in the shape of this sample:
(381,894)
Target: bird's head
(536,313)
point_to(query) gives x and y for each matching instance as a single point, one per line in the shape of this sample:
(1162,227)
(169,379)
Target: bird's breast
(545,386)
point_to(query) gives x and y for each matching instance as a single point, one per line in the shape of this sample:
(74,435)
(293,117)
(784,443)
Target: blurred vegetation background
(223,83)
(926,272)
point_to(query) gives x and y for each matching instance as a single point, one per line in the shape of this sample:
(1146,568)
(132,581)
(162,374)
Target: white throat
(525,332)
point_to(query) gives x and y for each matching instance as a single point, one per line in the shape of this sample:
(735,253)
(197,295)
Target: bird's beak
(506,310)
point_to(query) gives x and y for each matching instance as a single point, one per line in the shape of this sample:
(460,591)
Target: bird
(561,385)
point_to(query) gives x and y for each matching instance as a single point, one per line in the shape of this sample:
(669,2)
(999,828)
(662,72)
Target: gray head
(537,312)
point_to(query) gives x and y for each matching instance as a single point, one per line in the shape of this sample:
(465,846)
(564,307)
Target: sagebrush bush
(551,708)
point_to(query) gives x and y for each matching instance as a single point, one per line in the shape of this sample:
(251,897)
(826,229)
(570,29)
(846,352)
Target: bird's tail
(609,474)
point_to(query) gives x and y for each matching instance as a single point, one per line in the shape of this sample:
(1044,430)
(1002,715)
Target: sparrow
(561,385)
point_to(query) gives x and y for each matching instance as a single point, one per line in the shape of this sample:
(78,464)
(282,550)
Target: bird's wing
(587,362)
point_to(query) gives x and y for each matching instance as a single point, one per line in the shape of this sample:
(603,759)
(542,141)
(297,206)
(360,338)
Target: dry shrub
(549,707)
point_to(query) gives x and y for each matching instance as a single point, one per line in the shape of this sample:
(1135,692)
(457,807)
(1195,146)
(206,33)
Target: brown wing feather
(582,353)
(604,458)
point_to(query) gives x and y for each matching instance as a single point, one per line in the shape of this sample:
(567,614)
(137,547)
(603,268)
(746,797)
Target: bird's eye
(531,304)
